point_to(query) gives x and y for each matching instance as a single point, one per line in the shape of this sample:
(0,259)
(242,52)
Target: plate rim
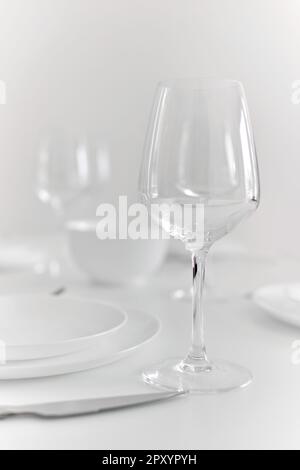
(87,364)
(269,309)
(109,331)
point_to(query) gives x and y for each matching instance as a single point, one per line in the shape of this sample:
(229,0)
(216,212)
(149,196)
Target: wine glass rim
(199,83)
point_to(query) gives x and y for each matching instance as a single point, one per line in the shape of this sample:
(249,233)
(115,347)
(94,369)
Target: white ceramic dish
(281,301)
(137,331)
(114,261)
(39,326)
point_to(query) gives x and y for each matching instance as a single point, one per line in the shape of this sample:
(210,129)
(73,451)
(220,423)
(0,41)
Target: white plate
(39,326)
(281,301)
(139,329)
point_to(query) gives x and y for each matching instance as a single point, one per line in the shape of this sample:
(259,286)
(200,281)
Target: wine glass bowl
(71,176)
(70,168)
(200,154)
(200,149)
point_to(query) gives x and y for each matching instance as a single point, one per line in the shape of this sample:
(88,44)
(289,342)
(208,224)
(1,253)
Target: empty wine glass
(200,152)
(71,174)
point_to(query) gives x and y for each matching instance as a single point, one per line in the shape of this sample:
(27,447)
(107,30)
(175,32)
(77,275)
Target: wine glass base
(219,376)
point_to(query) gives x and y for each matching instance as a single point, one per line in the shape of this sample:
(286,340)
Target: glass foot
(206,378)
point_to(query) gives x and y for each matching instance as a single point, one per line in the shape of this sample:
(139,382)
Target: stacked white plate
(43,335)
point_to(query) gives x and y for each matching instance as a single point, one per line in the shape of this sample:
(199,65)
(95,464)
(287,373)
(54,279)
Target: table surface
(266,415)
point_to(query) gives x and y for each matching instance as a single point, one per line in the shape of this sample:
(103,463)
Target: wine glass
(71,175)
(200,152)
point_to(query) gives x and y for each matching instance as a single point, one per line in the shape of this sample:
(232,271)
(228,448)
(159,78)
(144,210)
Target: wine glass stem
(198,349)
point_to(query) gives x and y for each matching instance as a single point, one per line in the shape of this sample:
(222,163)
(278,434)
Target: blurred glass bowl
(113,261)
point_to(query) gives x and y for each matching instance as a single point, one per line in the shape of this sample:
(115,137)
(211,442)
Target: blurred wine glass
(71,176)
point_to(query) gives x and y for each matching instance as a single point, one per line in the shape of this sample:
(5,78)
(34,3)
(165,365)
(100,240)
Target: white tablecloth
(265,415)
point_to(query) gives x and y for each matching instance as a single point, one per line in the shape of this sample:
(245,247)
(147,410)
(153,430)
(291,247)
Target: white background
(91,66)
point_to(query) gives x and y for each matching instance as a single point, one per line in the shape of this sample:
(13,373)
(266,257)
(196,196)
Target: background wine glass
(71,176)
(200,151)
